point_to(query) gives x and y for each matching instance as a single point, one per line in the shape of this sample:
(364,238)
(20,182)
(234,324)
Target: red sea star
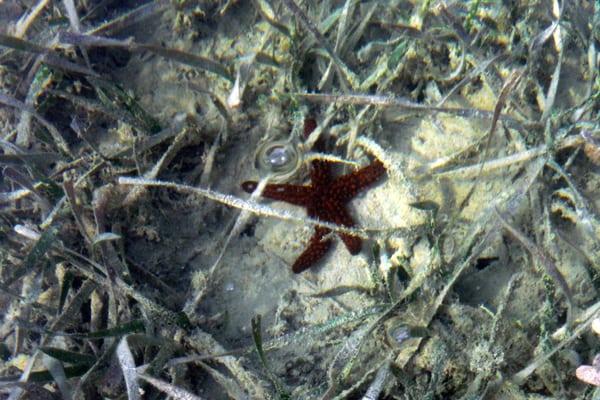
(324,199)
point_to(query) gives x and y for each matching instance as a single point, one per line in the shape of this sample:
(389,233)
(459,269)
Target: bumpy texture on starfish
(325,199)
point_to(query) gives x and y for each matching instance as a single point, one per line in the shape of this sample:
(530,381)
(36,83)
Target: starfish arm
(293,194)
(320,173)
(340,216)
(309,125)
(320,170)
(353,243)
(315,250)
(348,186)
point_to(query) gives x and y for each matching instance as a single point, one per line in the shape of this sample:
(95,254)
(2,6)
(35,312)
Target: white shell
(588,374)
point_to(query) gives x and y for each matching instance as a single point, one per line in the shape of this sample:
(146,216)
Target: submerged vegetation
(133,265)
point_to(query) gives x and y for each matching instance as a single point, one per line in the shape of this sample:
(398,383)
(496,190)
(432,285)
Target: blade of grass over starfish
(237,202)
(294,194)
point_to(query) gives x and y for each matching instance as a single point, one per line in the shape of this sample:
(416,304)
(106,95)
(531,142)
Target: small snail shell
(280,158)
(398,331)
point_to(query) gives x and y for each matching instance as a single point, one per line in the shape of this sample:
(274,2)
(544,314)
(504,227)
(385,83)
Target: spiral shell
(396,332)
(399,333)
(280,158)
